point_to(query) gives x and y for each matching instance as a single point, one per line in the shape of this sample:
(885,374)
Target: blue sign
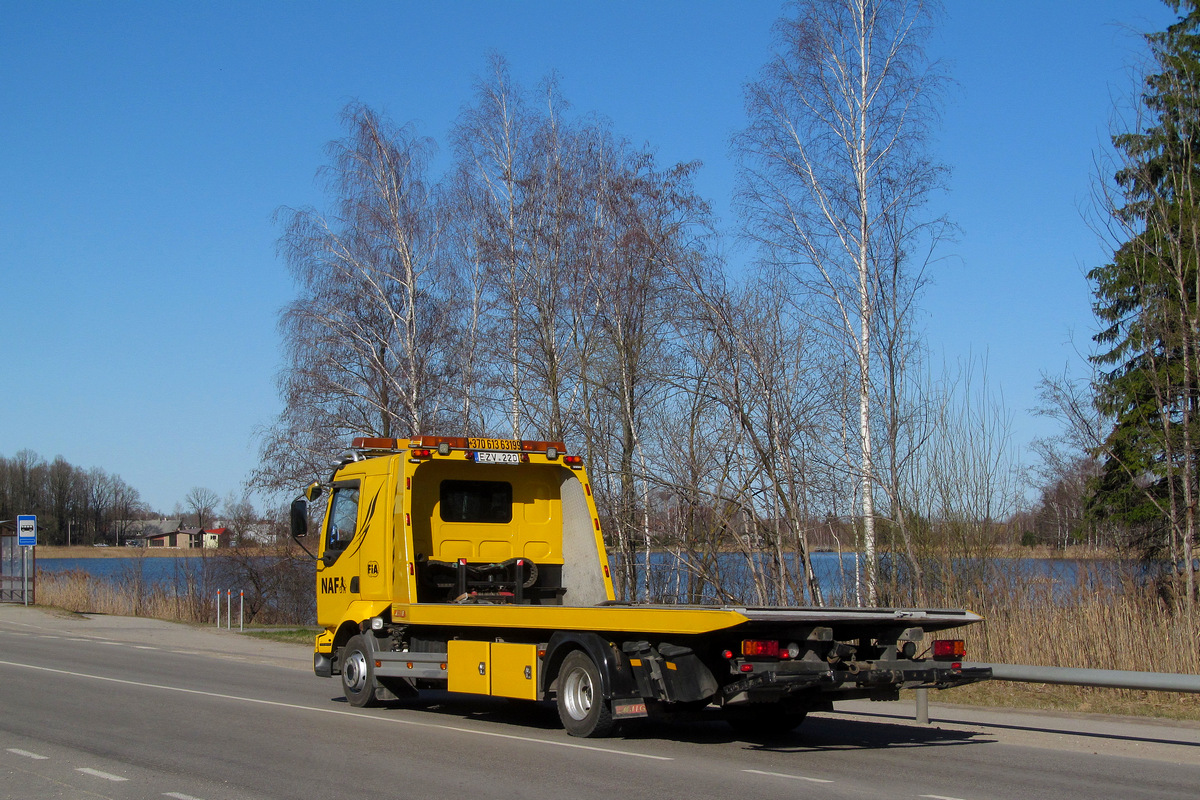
(27,530)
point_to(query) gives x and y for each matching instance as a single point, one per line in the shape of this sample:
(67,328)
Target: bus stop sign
(26,530)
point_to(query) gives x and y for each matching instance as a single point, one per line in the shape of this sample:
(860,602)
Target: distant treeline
(88,505)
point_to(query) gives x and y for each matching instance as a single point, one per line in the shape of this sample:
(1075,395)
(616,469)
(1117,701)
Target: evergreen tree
(1147,301)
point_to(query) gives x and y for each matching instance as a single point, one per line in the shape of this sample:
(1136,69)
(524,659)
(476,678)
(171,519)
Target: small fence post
(241,610)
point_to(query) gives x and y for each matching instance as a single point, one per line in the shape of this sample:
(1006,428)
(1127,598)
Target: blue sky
(145,146)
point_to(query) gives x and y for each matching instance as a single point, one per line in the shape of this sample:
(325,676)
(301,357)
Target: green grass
(287,635)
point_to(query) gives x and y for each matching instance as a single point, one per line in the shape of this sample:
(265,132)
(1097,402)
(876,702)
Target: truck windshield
(476,501)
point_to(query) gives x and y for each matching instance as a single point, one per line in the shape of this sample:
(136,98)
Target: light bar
(433,442)
(374,443)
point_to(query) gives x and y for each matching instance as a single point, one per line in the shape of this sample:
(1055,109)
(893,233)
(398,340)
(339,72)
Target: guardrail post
(922,706)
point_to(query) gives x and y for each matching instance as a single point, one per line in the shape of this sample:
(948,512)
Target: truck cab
(453,520)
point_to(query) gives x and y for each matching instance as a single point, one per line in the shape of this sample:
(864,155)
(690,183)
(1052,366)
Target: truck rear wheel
(581,704)
(358,673)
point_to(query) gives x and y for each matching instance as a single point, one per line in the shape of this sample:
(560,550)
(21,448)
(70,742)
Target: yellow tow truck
(478,565)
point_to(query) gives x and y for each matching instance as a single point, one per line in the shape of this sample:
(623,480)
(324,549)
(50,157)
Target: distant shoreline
(83,551)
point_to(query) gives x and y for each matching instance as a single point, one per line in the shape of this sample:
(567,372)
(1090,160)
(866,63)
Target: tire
(358,673)
(581,704)
(763,722)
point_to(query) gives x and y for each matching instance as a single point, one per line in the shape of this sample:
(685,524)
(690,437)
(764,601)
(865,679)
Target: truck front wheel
(581,705)
(358,673)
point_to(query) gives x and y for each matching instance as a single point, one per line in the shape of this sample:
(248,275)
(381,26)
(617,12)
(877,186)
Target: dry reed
(1112,618)
(80,592)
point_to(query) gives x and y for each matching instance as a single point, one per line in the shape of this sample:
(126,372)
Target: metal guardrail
(1105,678)
(1070,676)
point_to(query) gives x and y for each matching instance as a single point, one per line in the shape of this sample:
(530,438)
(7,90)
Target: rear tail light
(768,648)
(949,649)
(574,462)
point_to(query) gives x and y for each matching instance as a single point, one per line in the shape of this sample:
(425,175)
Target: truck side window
(343,518)
(476,501)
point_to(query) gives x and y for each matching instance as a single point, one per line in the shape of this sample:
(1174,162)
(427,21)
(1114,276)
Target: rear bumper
(880,681)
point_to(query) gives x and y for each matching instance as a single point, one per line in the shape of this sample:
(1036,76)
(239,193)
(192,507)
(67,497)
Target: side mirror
(299,518)
(312,491)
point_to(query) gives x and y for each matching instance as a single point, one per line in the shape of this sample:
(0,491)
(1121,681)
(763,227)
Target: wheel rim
(577,694)
(354,672)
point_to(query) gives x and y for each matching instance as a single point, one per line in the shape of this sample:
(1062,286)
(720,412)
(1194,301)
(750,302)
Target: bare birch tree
(367,338)
(833,160)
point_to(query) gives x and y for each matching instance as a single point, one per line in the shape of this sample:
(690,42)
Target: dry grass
(1081,699)
(1110,619)
(84,551)
(80,592)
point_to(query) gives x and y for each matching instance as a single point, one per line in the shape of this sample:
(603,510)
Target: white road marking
(940,797)
(97,773)
(338,712)
(18,752)
(143,647)
(179,796)
(785,775)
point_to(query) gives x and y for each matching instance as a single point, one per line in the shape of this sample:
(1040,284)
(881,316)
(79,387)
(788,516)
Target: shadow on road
(828,733)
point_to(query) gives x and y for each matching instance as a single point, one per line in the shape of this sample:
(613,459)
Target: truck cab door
(336,565)
(354,559)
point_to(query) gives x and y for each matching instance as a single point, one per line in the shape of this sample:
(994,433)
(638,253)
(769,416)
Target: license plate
(497,458)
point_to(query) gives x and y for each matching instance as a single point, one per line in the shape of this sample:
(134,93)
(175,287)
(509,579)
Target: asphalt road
(112,707)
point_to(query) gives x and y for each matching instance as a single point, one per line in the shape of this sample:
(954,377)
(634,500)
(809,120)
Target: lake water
(165,571)
(835,574)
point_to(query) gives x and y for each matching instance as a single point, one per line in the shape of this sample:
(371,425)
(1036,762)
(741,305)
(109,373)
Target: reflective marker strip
(97,773)
(27,754)
(784,775)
